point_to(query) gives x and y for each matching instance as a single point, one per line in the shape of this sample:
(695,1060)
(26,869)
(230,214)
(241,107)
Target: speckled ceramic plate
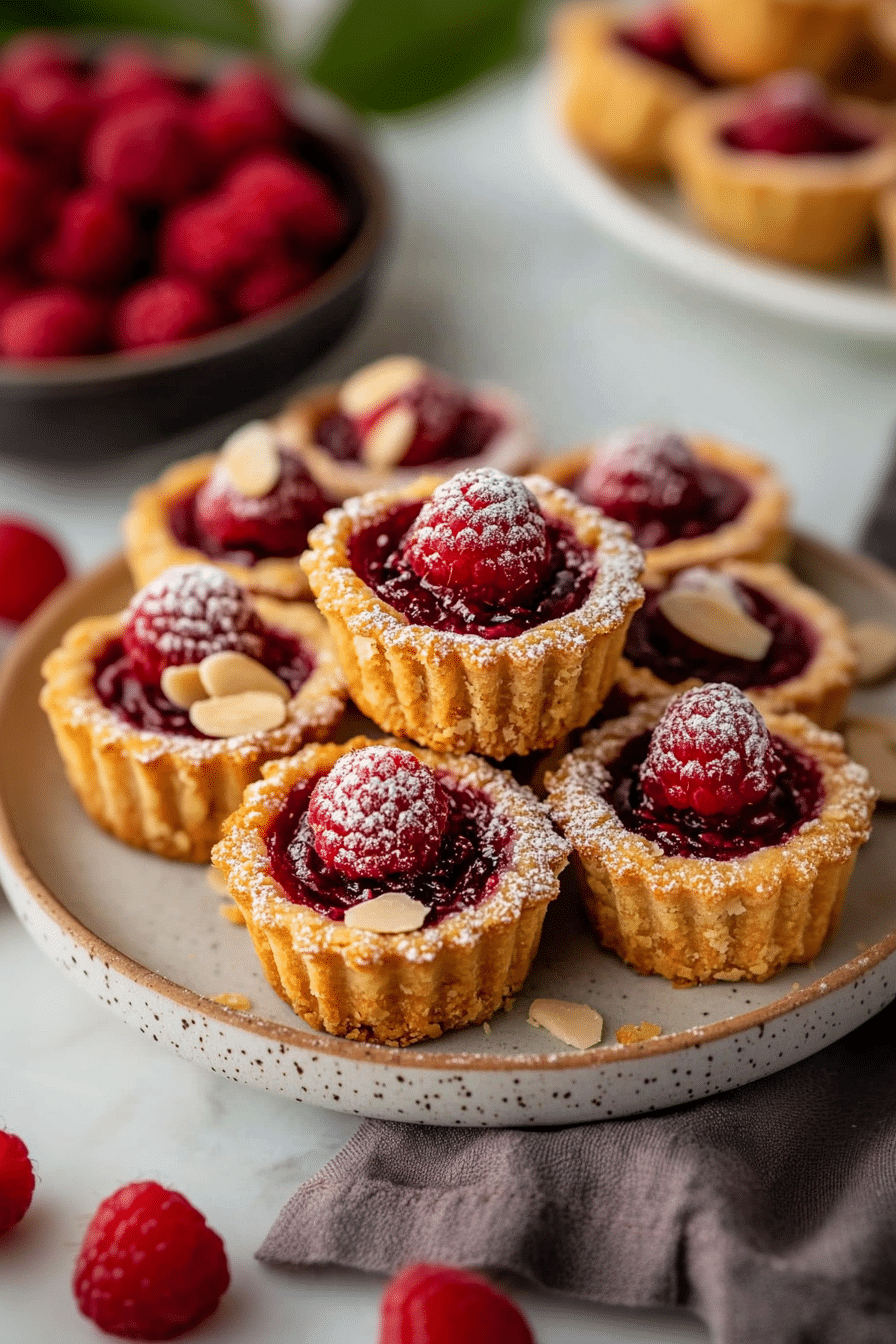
(649,217)
(145,936)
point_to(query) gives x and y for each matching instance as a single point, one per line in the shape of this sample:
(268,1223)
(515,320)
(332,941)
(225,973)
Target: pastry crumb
(574,1024)
(238,1002)
(632,1035)
(487,1028)
(232,913)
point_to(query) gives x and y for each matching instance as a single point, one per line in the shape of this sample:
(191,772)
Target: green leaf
(232,22)
(391,55)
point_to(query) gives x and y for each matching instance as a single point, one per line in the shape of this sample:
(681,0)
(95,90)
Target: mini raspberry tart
(392,894)
(622,79)
(165,712)
(755,626)
(712,842)
(689,501)
(753,38)
(484,613)
(248,509)
(395,417)
(784,170)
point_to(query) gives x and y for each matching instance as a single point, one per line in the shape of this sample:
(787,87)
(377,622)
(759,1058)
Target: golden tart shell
(514,450)
(394,988)
(759,532)
(160,791)
(813,210)
(615,103)
(151,546)
(742,40)
(461,693)
(821,689)
(696,920)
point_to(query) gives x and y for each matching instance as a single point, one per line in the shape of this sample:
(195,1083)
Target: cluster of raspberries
(137,209)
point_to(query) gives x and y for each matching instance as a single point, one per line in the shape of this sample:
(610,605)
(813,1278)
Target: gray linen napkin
(770,1211)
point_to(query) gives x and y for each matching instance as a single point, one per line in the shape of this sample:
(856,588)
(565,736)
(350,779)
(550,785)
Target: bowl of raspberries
(181,233)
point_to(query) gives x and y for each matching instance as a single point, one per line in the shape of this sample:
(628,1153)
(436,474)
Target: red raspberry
(644,475)
(712,752)
(163,310)
(55,111)
(31,567)
(276,524)
(791,113)
(34,53)
(148,153)
(53,323)
(242,114)
(379,813)
(215,242)
(185,614)
(127,74)
(13,284)
(96,240)
(435,1304)
(150,1267)
(482,533)
(21,201)
(301,200)
(272,283)
(439,406)
(16,1181)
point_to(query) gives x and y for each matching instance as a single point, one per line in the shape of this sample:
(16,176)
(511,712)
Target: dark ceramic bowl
(104,405)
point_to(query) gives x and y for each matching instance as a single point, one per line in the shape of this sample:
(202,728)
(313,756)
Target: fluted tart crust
(741,40)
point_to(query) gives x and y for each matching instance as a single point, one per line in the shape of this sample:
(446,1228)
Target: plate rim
(35,633)
(701,260)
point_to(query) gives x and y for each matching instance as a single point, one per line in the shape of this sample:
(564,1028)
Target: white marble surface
(491,277)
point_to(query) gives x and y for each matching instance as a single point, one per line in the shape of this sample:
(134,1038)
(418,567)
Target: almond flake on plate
(875,649)
(392,912)
(378,383)
(574,1024)
(231,673)
(182,685)
(251,459)
(632,1035)
(238,1002)
(872,742)
(237,715)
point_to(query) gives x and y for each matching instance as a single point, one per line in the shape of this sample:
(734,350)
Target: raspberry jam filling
(375,553)
(792,114)
(660,37)
(723,498)
(144,705)
(795,798)
(473,430)
(475,849)
(655,643)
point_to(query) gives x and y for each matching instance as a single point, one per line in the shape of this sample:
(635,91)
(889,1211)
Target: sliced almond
(573,1023)
(231,673)
(631,1035)
(251,459)
(390,438)
(379,382)
(237,715)
(715,620)
(238,1002)
(393,912)
(233,914)
(872,742)
(182,685)
(875,647)
(216,880)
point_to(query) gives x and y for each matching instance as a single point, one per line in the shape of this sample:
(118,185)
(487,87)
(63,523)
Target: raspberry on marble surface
(16,1181)
(436,1304)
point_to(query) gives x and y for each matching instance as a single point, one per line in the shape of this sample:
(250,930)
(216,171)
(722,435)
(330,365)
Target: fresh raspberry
(16,1181)
(242,114)
(31,567)
(301,200)
(438,405)
(162,310)
(791,113)
(147,152)
(482,533)
(55,111)
(276,524)
(645,475)
(215,242)
(52,324)
(96,241)
(185,614)
(379,813)
(21,202)
(272,283)
(150,1267)
(712,752)
(34,53)
(435,1304)
(13,284)
(127,74)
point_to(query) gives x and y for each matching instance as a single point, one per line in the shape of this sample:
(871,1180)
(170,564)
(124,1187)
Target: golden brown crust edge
(462,693)
(160,792)
(697,920)
(399,988)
